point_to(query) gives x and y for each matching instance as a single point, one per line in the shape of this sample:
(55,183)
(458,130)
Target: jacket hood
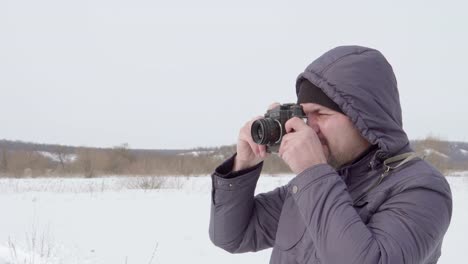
(362,83)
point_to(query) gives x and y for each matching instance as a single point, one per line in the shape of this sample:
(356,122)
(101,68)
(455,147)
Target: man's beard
(338,159)
(333,161)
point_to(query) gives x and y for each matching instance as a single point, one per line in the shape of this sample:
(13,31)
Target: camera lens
(265,131)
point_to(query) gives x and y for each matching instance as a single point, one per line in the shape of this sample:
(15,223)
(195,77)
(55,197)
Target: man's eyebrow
(316,109)
(320,110)
(325,109)
(312,110)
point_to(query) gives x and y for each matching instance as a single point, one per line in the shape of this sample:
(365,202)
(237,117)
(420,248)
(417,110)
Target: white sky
(182,74)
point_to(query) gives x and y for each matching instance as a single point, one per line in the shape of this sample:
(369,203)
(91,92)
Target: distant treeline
(20,159)
(120,160)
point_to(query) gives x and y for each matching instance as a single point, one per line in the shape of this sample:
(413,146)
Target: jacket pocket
(291,226)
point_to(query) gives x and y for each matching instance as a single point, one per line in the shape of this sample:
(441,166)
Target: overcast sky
(184,73)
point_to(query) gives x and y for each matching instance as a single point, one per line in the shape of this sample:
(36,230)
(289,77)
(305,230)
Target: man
(360,195)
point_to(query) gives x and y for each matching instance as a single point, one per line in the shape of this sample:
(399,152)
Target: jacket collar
(358,167)
(365,163)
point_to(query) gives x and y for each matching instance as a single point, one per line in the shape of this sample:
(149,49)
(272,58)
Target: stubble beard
(333,159)
(337,159)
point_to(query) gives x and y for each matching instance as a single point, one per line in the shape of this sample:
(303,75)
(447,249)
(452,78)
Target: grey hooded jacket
(325,215)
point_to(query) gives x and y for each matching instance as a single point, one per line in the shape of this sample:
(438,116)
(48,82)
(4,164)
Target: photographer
(360,194)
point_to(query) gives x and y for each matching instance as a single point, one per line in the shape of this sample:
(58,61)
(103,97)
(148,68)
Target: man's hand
(249,153)
(301,147)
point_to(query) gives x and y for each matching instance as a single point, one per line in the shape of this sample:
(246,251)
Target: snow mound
(428,152)
(67,158)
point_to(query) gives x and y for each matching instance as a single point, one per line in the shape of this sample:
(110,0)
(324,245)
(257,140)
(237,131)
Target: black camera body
(270,130)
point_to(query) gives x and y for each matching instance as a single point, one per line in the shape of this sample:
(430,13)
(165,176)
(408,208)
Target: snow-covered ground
(111,221)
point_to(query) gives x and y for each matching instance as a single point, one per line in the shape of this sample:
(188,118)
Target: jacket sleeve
(406,228)
(240,222)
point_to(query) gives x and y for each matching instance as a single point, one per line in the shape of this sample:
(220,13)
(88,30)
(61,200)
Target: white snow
(464,151)
(197,153)
(106,220)
(428,152)
(67,158)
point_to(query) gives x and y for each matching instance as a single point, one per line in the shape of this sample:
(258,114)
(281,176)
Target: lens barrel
(266,131)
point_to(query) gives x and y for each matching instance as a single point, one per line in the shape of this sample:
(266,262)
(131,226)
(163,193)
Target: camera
(270,130)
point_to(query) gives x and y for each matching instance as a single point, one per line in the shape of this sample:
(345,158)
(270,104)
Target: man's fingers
(263,152)
(282,151)
(246,135)
(295,124)
(273,105)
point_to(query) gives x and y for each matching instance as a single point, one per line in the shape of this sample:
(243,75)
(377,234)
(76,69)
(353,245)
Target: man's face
(341,141)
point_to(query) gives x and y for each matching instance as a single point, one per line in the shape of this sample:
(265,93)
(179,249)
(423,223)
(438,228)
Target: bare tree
(63,158)
(120,159)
